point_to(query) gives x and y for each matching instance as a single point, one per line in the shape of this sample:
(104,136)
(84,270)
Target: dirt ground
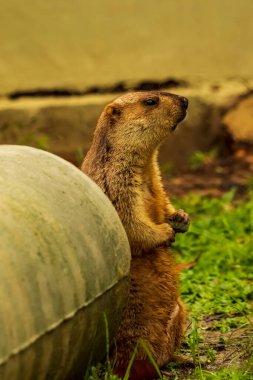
(226,349)
(216,176)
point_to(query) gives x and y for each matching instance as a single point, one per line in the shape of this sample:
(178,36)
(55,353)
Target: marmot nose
(184,102)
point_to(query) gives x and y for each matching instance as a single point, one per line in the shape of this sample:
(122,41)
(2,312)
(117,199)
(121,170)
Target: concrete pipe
(64,264)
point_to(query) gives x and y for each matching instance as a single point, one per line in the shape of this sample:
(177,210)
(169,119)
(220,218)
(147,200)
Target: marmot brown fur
(122,160)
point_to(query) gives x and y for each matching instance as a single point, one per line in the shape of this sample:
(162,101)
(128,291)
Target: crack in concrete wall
(147,85)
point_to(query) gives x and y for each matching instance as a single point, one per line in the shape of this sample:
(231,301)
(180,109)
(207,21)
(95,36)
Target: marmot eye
(150,102)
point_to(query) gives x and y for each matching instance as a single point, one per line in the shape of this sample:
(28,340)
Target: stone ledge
(65,126)
(239,120)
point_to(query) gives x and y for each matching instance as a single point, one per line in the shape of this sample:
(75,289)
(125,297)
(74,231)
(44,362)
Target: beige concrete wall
(78,44)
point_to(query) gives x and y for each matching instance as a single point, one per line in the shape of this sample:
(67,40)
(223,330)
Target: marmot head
(140,121)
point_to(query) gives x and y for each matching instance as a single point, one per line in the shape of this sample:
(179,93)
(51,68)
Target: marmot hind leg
(154,313)
(140,370)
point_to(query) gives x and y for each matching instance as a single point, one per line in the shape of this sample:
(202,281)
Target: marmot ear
(113,111)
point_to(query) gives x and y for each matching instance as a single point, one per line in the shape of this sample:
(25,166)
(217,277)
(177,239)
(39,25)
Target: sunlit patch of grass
(224,374)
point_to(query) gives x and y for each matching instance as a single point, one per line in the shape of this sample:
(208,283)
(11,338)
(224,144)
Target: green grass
(221,240)
(200,159)
(218,290)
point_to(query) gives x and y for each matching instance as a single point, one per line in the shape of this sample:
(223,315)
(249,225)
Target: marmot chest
(154,207)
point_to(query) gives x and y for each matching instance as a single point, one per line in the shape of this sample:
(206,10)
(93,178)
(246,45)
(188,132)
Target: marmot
(122,160)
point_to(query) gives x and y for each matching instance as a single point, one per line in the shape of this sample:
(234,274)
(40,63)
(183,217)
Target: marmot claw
(179,221)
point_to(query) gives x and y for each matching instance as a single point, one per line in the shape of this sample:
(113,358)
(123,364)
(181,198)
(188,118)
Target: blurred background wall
(81,44)
(61,61)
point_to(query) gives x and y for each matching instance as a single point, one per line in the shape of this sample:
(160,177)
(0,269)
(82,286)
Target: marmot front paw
(179,221)
(170,236)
